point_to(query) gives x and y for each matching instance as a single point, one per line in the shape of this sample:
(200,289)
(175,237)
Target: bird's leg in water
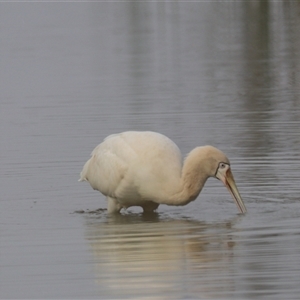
(113,206)
(150,207)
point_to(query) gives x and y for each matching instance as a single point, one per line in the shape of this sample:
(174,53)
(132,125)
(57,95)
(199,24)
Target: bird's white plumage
(146,169)
(131,166)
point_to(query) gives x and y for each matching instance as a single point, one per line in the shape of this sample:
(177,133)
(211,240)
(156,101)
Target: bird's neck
(193,177)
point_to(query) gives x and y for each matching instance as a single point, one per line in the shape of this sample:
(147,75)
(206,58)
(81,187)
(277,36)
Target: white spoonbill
(146,169)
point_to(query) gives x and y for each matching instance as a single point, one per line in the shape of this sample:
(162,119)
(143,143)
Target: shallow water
(225,74)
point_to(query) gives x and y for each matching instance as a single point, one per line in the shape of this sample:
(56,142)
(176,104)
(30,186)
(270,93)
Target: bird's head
(219,167)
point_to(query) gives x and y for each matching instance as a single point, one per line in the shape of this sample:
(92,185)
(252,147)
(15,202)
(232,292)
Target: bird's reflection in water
(158,257)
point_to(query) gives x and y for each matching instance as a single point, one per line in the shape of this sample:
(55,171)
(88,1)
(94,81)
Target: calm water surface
(226,74)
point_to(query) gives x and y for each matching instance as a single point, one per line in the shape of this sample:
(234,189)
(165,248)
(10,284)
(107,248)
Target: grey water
(225,73)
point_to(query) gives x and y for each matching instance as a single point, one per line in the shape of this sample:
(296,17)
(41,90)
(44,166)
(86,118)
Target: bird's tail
(83,174)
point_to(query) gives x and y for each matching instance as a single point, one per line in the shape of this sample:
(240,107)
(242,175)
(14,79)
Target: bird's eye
(222,165)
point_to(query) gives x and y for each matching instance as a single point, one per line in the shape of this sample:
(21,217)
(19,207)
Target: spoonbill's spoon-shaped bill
(225,175)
